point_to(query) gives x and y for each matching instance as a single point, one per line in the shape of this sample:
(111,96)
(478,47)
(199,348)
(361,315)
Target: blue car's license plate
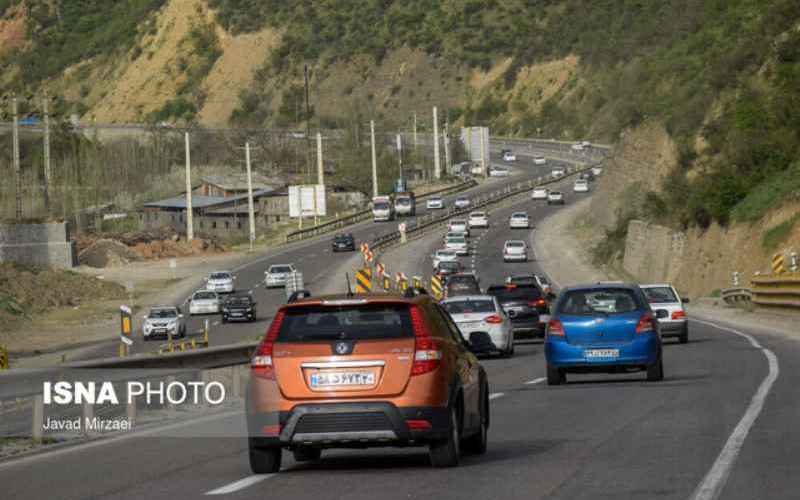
(593,354)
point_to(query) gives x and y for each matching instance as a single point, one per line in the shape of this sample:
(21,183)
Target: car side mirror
(480,342)
(685,300)
(661,313)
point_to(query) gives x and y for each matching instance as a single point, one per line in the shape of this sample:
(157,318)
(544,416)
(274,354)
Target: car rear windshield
(660,295)
(361,322)
(239,301)
(457,223)
(519,215)
(280,269)
(598,300)
(344,236)
(523,280)
(403,201)
(505,293)
(469,306)
(163,313)
(477,214)
(220,276)
(382,205)
(515,244)
(450,264)
(555,193)
(456,239)
(205,295)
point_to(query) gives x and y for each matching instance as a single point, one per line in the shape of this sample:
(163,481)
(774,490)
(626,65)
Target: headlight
(147,327)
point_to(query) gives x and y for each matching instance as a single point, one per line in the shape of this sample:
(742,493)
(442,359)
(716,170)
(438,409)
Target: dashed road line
(535,381)
(240,484)
(496,395)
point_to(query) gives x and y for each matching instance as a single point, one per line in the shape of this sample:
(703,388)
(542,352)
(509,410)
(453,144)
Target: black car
(344,243)
(525,305)
(239,308)
(448,268)
(588,175)
(462,284)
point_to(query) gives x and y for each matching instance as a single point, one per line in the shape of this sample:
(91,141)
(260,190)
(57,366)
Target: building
(231,185)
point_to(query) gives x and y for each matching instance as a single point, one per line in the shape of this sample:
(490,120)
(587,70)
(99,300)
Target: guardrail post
(735,279)
(38,418)
(793,262)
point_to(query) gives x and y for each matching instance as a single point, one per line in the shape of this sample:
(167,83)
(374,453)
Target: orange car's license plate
(339,379)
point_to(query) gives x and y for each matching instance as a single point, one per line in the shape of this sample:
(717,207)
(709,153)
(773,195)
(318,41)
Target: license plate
(236,314)
(601,353)
(160,330)
(468,325)
(340,379)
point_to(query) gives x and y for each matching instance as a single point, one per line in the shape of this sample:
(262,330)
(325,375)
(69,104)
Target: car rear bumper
(642,351)
(529,325)
(349,425)
(672,328)
(244,316)
(203,309)
(517,225)
(515,257)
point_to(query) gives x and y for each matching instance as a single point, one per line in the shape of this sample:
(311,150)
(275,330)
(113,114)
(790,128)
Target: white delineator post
(437,172)
(374,159)
(250,210)
(189,213)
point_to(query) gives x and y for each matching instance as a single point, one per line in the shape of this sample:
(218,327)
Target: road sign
(387,283)
(401,227)
(126,321)
(364,280)
(778,264)
(416,281)
(436,287)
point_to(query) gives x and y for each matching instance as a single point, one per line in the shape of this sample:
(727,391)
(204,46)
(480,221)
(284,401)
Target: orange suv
(361,371)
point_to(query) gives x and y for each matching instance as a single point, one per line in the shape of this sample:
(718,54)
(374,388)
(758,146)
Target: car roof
(514,241)
(477,212)
(461,298)
(220,272)
(360,299)
(600,286)
(281,265)
(656,285)
(154,308)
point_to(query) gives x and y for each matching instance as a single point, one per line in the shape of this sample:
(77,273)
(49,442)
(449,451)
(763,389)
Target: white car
(515,251)
(509,156)
(482,313)
(435,202)
(458,226)
(477,169)
(519,220)
(558,172)
(204,302)
(581,186)
(277,274)
(586,144)
(555,198)
(539,160)
(443,255)
(462,202)
(220,282)
(457,243)
(577,147)
(498,172)
(597,170)
(663,296)
(539,194)
(163,321)
(478,219)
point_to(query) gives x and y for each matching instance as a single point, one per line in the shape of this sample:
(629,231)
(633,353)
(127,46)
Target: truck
(382,208)
(405,203)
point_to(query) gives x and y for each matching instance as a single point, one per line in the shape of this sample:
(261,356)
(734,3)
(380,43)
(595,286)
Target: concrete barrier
(45,245)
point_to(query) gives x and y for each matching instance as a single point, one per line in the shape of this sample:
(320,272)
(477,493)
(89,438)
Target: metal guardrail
(364,215)
(734,296)
(777,291)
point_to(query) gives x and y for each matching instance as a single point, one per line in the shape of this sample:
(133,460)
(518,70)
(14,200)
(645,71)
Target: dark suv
(526,305)
(374,370)
(239,308)
(462,284)
(344,243)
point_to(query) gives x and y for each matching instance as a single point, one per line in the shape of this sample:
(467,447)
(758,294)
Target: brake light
(427,355)
(678,315)
(537,303)
(418,425)
(494,319)
(261,363)
(271,430)
(555,328)
(646,324)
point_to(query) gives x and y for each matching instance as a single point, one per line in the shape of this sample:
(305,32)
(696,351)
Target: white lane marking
(713,482)
(240,484)
(496,395)
(535,381)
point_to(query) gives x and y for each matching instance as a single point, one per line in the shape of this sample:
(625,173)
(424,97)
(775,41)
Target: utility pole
(374,159)
(483,153)
(400,155)
(437,169)
(250,211)
(46,112)
(189,212)
(446,145)
(17,172)
(415,132)
(320,166)
(308,125)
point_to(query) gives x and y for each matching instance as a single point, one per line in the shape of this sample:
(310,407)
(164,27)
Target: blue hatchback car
(606,327)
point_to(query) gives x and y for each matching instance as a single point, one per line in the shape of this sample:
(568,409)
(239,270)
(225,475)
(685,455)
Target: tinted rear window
(205,295)
(163,313)
(660,295)
(362,322)
(220,276)
(469,306)
(381,205)
(280,269)
(515,293)
(449,264)
(599,300)
(523,280)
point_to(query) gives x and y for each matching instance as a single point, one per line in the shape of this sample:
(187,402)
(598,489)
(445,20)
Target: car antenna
(349,290)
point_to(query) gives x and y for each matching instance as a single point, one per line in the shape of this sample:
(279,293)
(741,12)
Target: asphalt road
(599,436)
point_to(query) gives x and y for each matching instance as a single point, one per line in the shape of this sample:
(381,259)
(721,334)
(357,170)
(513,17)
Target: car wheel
(555,376)
(478,443)
(224,320)
(447,453)
(684,338)
(655,372)
(264,460)
(306,454)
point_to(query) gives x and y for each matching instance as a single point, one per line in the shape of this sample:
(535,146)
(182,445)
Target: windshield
(507,294)
(457,223)
(342,237)
(163,313)
(220,276)
(445,253)
(403,202)
(362,322)
(601,300)
(205,296)
(660,295)
(519,215)
(449,265)
(523,280)
(477,215)
(381,205)
(280,269)
(469,306)
(515,244)
(456,239)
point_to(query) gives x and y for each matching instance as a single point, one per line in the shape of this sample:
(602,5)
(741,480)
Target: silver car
(558,172)
(457,243)
(204,302)
(482,313)
(555,198)
(435,202)
(277,274)
(163,321)
(519,220)
(664,296)
(443,255)
(221,282)
(515,251)
(462,202)
(458,226)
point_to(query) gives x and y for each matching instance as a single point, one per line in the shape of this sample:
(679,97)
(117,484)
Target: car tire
(655,372)
(306,454)
(265,460)
(684,337)
(224,320)
(478,443)
(447,453)
(555,376)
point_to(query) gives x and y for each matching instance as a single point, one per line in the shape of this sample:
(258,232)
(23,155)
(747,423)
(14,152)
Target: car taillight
(261,363)
(494,319)
(537,303)
(427,355)
(646,324)
(418,425)
(555,328)
(678,315)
